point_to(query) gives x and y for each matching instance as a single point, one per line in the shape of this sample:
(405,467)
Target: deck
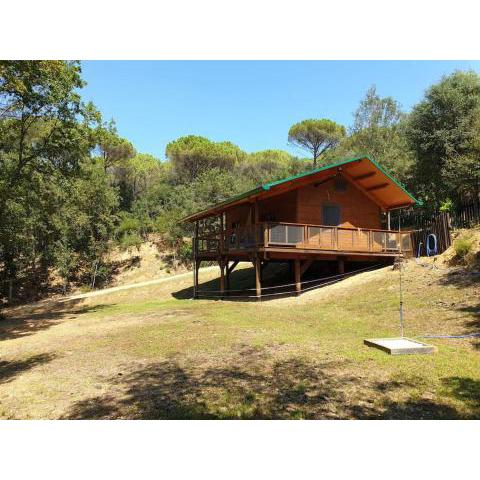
(292,239)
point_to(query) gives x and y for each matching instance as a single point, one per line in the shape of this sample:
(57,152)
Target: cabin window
(331,215)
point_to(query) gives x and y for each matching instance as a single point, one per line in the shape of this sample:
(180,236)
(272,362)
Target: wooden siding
(280,209)
(239,214)
(356,210)
(304,205)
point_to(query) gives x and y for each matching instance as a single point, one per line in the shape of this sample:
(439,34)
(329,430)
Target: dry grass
(153,353)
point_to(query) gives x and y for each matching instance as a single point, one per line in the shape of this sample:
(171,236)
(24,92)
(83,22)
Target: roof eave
(262,188)
(232,200)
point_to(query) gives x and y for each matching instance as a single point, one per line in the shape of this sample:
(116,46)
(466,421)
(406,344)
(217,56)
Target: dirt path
(105,291)
(147,283)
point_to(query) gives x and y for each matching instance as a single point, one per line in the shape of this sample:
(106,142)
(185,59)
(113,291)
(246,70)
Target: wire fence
(318,282)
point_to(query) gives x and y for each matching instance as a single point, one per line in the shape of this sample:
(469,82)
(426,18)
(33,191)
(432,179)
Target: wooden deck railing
(306,236)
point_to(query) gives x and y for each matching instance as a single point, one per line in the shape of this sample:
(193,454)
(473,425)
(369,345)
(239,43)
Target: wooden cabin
(338,212)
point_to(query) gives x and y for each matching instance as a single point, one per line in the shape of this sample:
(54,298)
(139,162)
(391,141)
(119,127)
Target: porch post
(195,261)
(388,220)
(196,266)
(298,283)
(341,265)
(258,279)
(255,223)
(222,234)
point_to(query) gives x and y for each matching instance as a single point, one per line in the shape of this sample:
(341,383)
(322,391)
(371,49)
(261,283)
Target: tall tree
(444,132)
(376,112)
(193,155)
(44,132)
(112,148)
(378,130)
(39,112)
(316,136)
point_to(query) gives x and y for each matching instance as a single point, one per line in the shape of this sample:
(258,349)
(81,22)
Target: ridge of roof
(269,185)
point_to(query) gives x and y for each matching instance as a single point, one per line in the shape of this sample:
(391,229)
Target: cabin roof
(370,177)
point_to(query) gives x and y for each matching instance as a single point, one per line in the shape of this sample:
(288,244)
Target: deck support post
(196,262)
(258,277)
(298,283)
(341,265)
(196,267)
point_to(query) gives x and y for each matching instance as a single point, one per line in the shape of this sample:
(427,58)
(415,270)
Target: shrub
(446,206)
(130,241)
(463,246)
(185,253)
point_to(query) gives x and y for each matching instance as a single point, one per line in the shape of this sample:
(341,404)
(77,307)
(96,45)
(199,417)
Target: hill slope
(151,352)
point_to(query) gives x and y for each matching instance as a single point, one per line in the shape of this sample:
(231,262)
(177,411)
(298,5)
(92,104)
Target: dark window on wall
(331,215)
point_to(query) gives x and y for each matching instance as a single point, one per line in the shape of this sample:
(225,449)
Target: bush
(127,225)
(463,246)
(446,206)
(130,240)
(185,253)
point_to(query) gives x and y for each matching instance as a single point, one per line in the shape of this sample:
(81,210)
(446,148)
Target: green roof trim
(268,186)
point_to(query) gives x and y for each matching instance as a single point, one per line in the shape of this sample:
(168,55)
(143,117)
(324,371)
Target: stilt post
(258,278)
(221,264)
(298,283)
(196,263)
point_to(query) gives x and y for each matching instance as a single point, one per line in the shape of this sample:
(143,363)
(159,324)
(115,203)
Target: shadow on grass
(11,369)
(275,274)
(465,389)
(242,279)
(252,385)
(461,278)
(41,317)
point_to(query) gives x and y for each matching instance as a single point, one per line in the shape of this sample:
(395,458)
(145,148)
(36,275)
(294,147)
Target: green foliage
(264,166)
(463,246)
(71,187)
(446,206)
(193,155)
(112,148)
(85,222)
(444,132)
(45,134)
(378,130)
(316,136)
(130,241)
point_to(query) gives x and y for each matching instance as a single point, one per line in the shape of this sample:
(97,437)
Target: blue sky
(250,103)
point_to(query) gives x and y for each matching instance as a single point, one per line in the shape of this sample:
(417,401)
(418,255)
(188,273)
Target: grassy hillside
(154,353)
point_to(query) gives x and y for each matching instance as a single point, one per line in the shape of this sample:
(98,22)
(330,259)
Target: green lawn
(153,353)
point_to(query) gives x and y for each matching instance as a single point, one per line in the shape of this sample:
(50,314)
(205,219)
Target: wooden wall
(356,209)
(304,205)
(282,208)
(239,214)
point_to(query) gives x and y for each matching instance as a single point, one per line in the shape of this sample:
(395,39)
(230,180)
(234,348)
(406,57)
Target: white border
(239,450)
(240,29)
